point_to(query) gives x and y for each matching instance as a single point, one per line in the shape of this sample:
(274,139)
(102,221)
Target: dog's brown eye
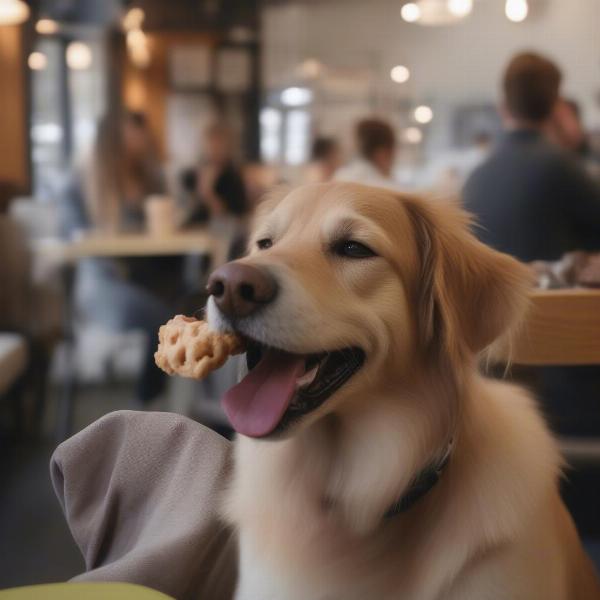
(264,243)
(351,249)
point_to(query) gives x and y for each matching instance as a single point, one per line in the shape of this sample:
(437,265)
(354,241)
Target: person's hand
(564,127)
(206,181)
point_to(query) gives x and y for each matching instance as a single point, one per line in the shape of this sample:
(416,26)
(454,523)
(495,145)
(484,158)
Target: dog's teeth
(308,377)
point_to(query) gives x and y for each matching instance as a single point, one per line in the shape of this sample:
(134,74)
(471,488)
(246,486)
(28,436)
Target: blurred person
(376,144)
(30,307)
(217,184)
(259,178)
(123,171)
(566,129)
(109,193)
(326,159)
(448,173)
(534,201)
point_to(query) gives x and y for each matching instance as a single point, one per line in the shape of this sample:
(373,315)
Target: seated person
(534,200)
(531,198)
(568,131)
(216,186)
(109,194)
(326,159)
(376,142)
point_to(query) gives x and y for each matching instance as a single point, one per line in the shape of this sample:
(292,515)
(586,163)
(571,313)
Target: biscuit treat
(187,347)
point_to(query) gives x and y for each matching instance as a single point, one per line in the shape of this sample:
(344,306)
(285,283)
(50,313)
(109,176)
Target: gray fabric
(140,492)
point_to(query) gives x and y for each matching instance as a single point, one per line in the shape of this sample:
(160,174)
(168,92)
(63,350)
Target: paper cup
(160,215)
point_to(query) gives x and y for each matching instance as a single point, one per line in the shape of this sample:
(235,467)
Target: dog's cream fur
(424,309)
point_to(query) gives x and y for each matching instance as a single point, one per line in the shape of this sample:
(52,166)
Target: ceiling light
(79,56)
(46,26)
(460,8)
(412,135)
(410,12)
(436,12)
(296,96)
(133,19)
(516,10)
(37,61)
(400,74)
(423,114)
(13,12)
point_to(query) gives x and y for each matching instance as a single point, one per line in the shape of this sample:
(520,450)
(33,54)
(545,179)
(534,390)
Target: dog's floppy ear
(270,199)
(468,294)
(266,205)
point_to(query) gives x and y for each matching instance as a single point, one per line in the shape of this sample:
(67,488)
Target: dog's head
(347,290)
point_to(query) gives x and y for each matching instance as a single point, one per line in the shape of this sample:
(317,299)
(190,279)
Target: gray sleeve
(140,492)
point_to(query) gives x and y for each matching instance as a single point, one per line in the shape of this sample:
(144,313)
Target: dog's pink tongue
(255,406)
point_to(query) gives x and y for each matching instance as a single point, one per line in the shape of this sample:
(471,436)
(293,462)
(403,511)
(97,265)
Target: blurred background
(136,138)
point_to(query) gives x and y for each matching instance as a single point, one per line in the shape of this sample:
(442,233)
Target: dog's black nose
(240,289)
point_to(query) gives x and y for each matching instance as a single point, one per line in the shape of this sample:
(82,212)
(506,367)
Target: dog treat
(187,347)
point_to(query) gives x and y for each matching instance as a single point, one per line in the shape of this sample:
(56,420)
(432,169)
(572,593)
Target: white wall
(450,65)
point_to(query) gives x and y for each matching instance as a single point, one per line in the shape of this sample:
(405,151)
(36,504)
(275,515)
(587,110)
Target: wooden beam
(14,160)
(148,89)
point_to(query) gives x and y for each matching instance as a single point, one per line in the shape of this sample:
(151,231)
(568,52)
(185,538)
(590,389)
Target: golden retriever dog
(374,461)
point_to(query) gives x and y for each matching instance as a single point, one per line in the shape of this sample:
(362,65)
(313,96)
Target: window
(285,135)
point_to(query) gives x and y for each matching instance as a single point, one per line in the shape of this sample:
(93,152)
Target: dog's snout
(240,289)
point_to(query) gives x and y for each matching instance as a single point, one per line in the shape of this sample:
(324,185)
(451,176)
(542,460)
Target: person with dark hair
(532,199)
(326,159)
(376,145)
(567,129)
(217,184)
(531,87)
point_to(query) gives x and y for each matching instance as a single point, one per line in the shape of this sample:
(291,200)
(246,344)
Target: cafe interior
(137,137)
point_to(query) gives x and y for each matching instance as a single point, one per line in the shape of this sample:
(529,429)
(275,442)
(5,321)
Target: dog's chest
(260,580)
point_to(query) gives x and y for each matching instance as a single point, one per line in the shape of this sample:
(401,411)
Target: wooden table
(562,327)
(213,241)
(194,241)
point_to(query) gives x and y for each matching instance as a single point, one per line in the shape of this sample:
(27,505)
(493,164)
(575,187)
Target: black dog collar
(421,484)
(424,481)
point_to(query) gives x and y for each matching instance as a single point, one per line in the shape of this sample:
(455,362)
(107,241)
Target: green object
(83,591)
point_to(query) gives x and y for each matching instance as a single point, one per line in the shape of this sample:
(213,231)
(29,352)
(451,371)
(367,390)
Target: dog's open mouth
(281,387)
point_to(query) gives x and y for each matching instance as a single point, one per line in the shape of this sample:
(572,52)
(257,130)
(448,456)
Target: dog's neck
(424,481)
(336,457)
(367,479)
(366,460)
